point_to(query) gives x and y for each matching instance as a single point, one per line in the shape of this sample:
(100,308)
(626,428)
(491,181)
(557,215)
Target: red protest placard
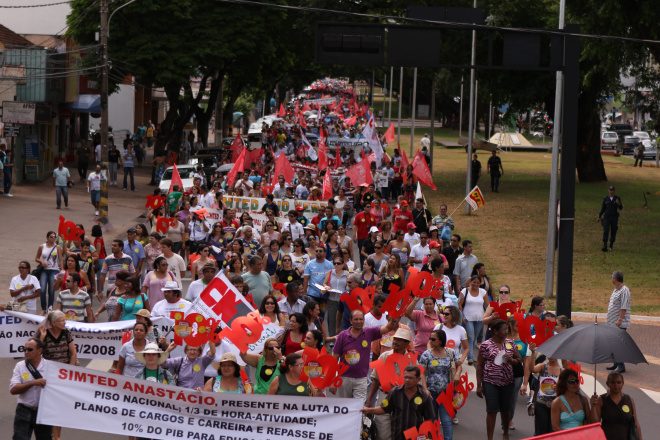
(162,224)
(543,330)
(193,329)
(155,202)
(507,309)
(69,231)
(387,369)
(454,397)
(359,299)
(322,369)
(419,284)
(244,330)
(578,369)
(430,429)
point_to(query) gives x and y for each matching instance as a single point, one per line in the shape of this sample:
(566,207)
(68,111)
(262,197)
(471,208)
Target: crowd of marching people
(294,266)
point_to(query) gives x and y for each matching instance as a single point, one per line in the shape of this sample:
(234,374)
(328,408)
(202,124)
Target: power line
(36,6)
(467,26)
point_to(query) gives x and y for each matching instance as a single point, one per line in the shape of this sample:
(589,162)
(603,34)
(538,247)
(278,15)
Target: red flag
(356,109)
(421,170)
(327,186)
(301,121)
(282,112)
(331,107)
(337,158)
(306,107)
(404,159)
(176,180)
(389,134)
(362,154)
(236,147)
(297,107)
(283,168)
(360,173)
(351,121)
(253,156)
(238,166)
(323,154)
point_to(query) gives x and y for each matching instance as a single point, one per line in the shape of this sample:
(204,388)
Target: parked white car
(644,137)
(608,139)
(185,171)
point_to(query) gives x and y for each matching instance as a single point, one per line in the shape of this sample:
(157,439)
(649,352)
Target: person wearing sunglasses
(495,362)
(571,409)
(293,226)
(24,289)
(26,383)
(271,310)
(314,274)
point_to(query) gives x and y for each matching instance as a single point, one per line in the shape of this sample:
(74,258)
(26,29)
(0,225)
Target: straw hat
(226,357)
(152,348)
(144,313)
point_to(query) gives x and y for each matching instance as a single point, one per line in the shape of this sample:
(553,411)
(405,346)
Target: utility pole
(432,121)
(103,206)
(389,116)
(398,129)
(473,59)
(412,125)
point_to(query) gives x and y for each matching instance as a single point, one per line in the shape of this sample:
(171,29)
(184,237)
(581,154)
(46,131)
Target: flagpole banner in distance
(80,398)
(475,199)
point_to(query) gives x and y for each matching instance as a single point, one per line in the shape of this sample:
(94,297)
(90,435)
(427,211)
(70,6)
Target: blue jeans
(517,383)
(99,287)
(473,328)
(127,171)
(443,416)
(47,281)
(62,191)
(621,365)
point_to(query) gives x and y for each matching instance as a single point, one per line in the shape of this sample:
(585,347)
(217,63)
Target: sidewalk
(31,213)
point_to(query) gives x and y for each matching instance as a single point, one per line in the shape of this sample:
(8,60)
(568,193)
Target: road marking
(588,385)
(653,395)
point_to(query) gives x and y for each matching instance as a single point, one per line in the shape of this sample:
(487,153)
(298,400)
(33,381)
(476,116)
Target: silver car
(608,139)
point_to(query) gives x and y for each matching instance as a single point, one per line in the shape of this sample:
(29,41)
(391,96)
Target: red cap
(434,244)
(404,203)
(300,208)
(411,225)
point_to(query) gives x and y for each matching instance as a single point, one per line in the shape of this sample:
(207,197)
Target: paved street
(32,212)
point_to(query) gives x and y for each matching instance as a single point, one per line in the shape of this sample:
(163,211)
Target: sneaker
(124,189)
(512,426)
(96,212)
(8,195)
(455,420)
(135,190)
(57,207)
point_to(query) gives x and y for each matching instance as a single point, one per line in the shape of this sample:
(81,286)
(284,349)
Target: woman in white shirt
(473,302)
(25,288)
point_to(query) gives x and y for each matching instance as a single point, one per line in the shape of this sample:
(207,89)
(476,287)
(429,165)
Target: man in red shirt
(229,223)
(402,217)
(363,222)
(320,215)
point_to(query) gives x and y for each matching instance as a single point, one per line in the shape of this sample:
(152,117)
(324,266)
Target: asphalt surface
(31,213)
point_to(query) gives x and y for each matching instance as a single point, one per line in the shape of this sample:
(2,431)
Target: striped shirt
(498,375)
(74,305)
(407,413)
(620,300)
(112,265)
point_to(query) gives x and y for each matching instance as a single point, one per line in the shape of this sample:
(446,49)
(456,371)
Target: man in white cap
(172,301)
(400,343)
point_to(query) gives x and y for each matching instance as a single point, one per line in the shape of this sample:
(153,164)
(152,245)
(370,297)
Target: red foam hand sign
(507,309)
(244,330)
(193,329)
(174,222)
(397,302)
(250,299)
(225,307)
(162,224)
(126,336)
(427,430)
(69,231)
(390,371)
(543,329)
(155,202)
(578,369)
(322,369)
(419,284)
(437,288)
(359,299)
(454,397)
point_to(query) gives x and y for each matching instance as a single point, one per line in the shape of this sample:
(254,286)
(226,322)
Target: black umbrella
(594,344)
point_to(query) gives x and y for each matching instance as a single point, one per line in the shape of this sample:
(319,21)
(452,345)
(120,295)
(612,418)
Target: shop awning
(86,104)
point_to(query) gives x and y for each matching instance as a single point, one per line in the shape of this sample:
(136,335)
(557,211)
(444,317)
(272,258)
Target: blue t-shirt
(136,251)
(61,176)
(317,272)
(128,159)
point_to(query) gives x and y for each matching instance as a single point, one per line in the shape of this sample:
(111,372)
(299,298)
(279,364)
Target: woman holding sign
(189,369)
(288,382)
(545,393)
(266,365)
(495,362)
(425,321)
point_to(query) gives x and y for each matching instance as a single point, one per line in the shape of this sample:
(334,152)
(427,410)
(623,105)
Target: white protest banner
(321,101)
(93,341)
(337,142)
(253,205)
(80,398)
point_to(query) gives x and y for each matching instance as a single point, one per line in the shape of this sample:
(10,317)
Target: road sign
(12,130)
(14,112)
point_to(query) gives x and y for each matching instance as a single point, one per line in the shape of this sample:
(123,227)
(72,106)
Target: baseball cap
(434,244)
(612,188)
(404,203)
(411,225)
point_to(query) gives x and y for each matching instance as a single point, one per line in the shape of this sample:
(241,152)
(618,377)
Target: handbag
(633,434)
(452,364)
(17,306)
(37,271)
